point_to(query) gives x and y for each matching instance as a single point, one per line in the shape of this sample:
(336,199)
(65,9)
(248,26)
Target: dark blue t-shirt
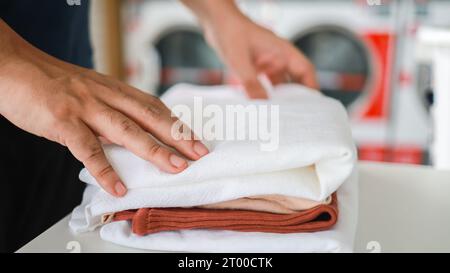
(58,27)
(38,178)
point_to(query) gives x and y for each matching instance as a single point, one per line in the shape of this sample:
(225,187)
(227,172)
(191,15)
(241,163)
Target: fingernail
(200,148)
(177,161)
(120,189)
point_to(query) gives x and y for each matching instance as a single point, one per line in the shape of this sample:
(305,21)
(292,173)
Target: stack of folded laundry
(298,195)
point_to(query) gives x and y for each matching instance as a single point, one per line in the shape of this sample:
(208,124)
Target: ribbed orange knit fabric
(151,220)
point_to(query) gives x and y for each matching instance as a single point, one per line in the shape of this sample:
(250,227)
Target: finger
(154,117)
(242,64)
(274,68)
(123,131)
(83,144)
(272,63)
(301,70)
(277,78)
(253,87)
(104,140)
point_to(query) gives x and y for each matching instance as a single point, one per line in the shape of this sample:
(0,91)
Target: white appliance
(437,41)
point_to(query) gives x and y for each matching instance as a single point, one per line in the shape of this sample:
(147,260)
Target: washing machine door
(341,60)
(184,56)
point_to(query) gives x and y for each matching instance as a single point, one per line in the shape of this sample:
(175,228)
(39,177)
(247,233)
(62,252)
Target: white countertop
(402,209)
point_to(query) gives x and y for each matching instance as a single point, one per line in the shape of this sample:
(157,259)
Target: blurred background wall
(106,36)
(365,51)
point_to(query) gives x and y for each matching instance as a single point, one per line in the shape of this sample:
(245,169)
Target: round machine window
(186,57)
(341,61)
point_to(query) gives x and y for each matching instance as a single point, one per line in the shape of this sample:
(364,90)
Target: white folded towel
(314,156)
(338,239)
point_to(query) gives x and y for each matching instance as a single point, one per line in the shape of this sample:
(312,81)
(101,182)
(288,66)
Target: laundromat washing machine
(353,44)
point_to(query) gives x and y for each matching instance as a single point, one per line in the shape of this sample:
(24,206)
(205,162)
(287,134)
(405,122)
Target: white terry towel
(314,156)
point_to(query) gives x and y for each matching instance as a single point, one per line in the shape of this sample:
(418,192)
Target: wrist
(216,14)
(12,46)
(6,43)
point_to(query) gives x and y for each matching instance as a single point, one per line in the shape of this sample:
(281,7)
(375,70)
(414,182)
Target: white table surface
(402,209)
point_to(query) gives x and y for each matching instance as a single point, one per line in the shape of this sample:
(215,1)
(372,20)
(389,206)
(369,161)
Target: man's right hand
(76,107)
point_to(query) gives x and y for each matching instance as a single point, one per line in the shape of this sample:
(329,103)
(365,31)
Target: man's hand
(75,107)
(249,49)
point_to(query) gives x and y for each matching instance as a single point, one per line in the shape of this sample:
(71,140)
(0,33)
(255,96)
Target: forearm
(10,65)
(14,47)
(212,12)
(7,42)
(22,67)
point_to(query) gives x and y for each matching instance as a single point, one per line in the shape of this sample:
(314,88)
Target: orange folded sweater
(151,220)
